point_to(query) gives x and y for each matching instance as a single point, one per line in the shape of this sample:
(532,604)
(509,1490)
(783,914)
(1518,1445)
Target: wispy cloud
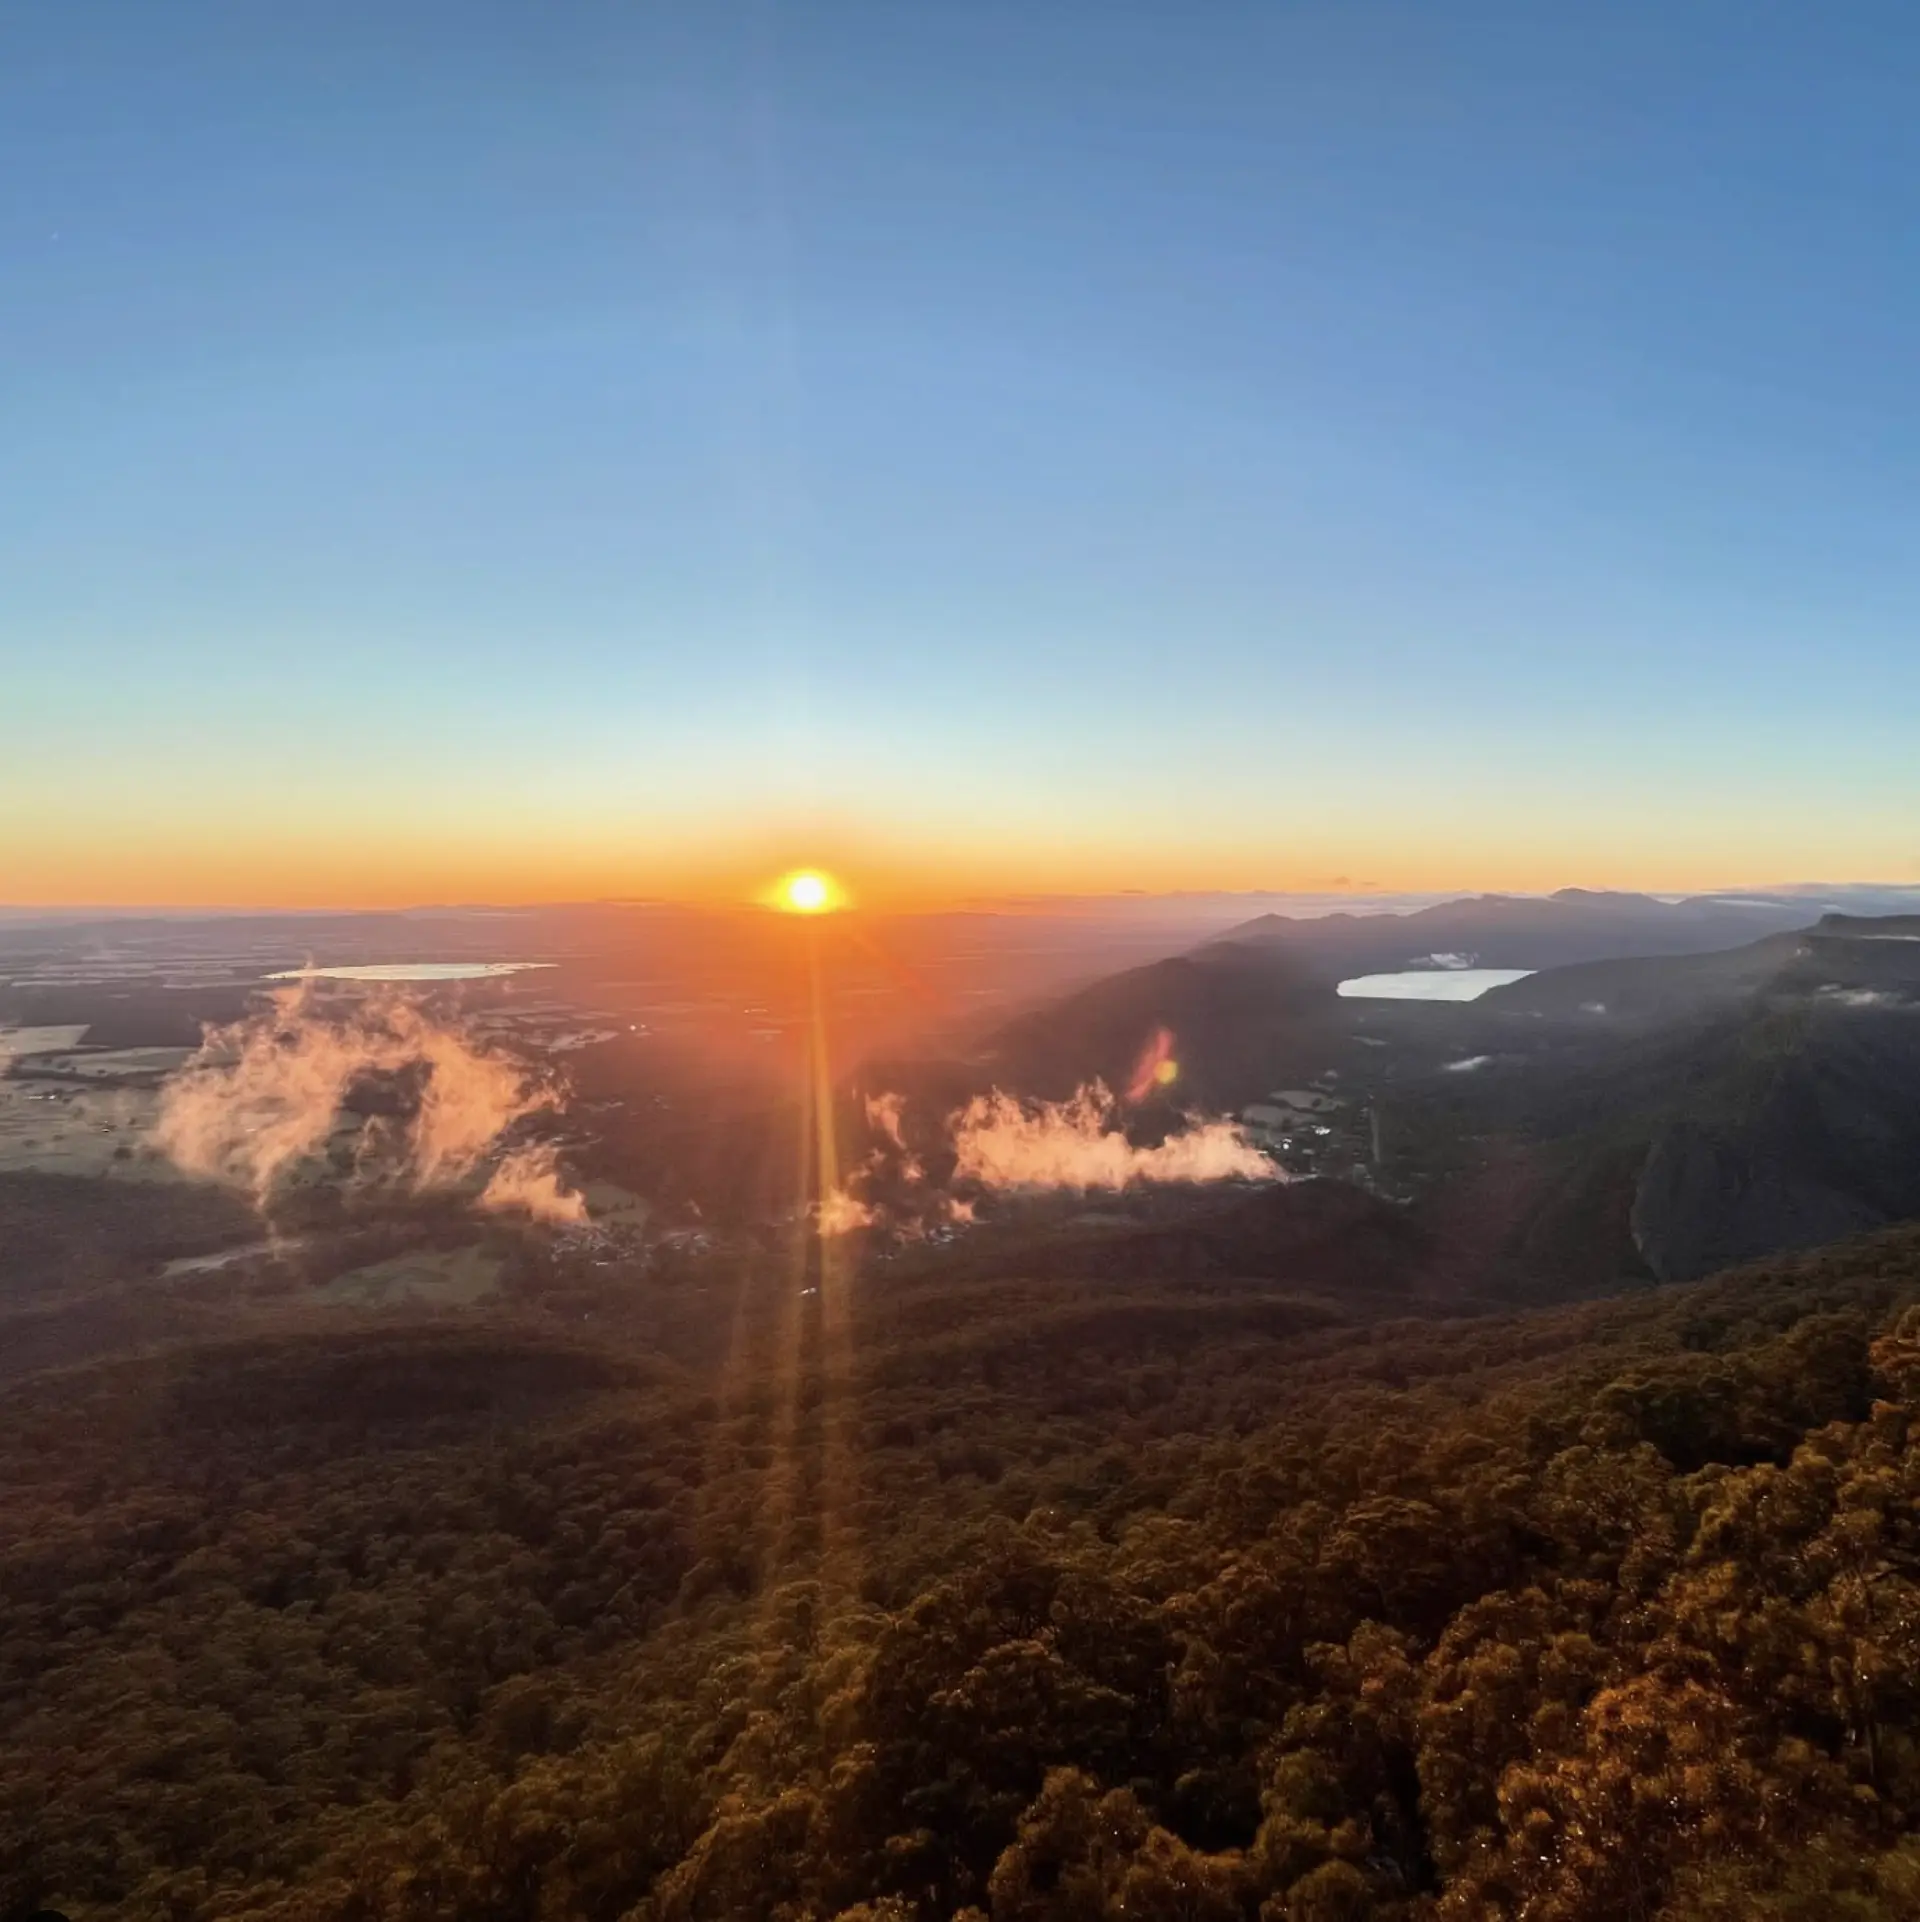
(1002,1141)
(528,1181)
(840,1213)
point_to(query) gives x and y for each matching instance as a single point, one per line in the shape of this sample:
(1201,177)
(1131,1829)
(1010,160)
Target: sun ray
(809,1489)
(836,1352)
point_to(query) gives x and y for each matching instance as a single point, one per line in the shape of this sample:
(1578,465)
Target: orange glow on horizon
(339,865)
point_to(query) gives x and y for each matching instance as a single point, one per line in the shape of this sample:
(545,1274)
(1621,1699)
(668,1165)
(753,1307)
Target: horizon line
(1781,893)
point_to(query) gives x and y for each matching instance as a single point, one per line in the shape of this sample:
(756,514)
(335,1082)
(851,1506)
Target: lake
(1430,984)
(411,971)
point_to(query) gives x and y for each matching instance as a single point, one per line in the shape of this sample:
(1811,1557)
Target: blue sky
(492,449)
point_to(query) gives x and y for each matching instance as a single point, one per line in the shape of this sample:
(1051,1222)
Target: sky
(506,452)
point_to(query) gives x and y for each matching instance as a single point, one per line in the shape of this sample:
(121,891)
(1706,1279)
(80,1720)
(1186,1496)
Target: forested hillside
(1070,1600)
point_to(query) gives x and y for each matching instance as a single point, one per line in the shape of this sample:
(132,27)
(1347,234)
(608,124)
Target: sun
(807,891)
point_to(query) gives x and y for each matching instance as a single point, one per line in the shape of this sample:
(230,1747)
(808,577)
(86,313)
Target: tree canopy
(982,1599)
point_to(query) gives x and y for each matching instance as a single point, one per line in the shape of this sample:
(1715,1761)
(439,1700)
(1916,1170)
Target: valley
(1171,1540)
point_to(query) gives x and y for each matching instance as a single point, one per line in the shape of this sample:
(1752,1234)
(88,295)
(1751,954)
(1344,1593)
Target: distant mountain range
(1256,1006)
(1847,954)
(1523,931)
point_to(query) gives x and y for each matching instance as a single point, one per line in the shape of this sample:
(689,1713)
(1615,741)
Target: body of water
(411,971)
(1430,984)
(207,1264)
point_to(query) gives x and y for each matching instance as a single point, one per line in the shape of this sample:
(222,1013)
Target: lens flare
(1156,1067)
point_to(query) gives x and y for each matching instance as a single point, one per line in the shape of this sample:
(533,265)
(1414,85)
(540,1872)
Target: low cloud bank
(528,1181)
(1860,997)
(1001,1141)
(265,1093)
(841,1213)
(886,1115)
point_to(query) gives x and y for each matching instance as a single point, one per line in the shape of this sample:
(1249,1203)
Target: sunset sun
(807,891)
